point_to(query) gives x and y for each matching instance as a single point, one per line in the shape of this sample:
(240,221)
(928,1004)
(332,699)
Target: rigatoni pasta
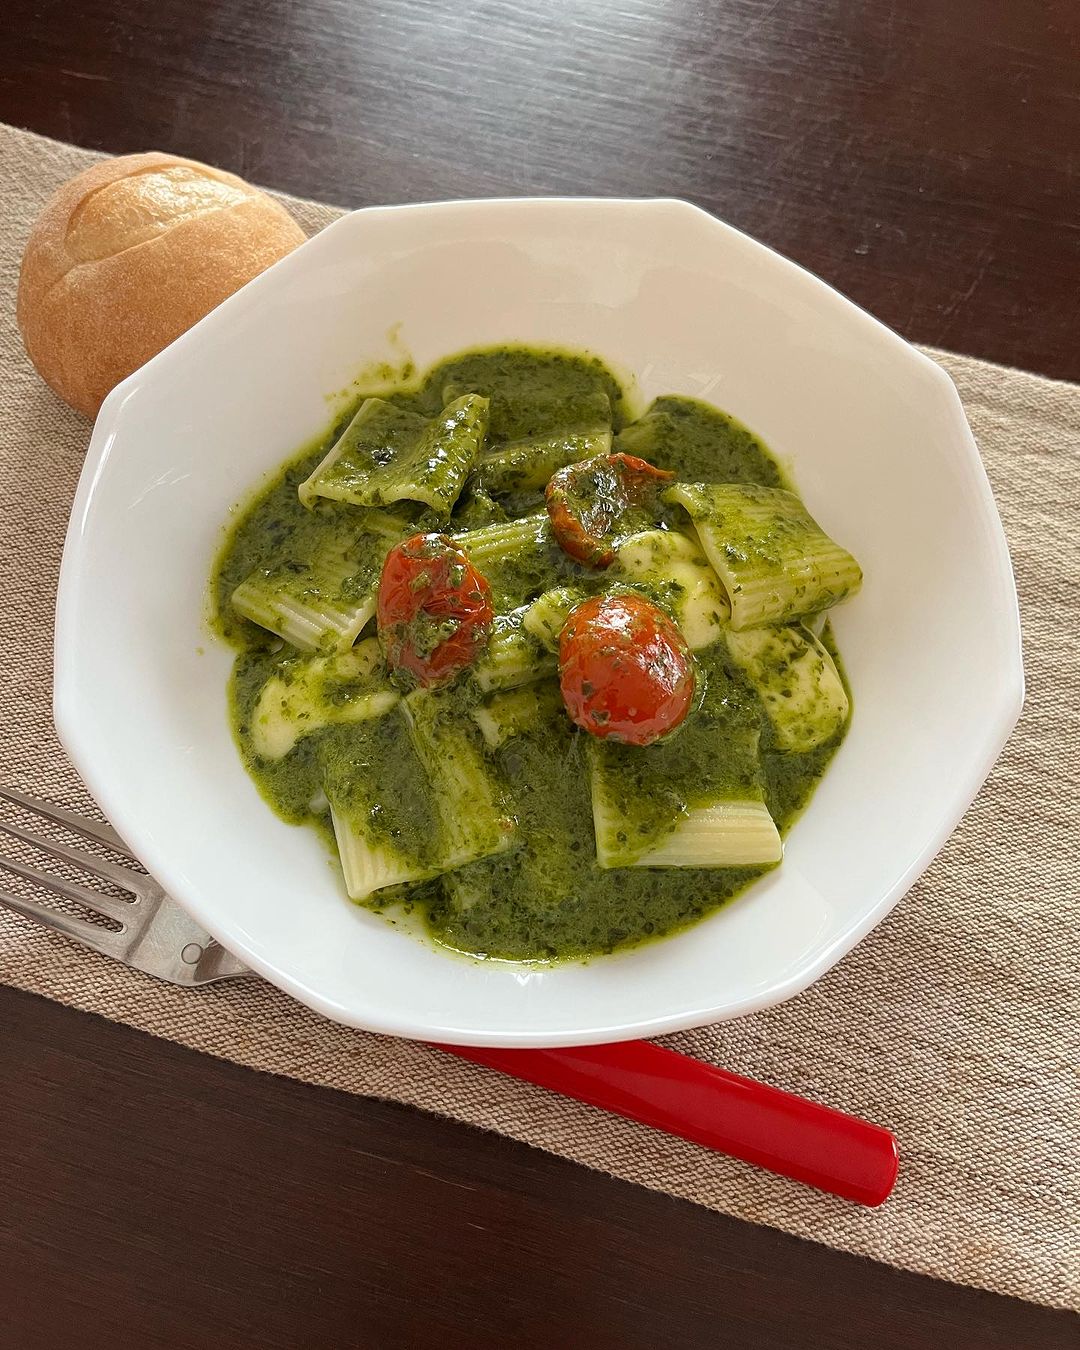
(554,679)
(774,560)
(388,454)
(317,604)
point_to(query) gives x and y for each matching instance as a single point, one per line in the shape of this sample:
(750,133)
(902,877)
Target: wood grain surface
(152,1197)
(924,158)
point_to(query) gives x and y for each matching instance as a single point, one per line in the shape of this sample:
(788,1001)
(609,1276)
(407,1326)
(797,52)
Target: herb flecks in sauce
(545,896)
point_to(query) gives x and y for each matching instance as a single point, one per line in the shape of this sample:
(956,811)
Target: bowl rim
(68,693)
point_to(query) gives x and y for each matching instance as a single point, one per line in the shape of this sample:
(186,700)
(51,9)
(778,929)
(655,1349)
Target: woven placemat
(954,1023)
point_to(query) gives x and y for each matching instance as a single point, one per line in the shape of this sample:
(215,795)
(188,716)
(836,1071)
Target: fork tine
(89,829)
(121,910)
(89,934)
(99,867)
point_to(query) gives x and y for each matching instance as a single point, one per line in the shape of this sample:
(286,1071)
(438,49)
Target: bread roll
(127,256)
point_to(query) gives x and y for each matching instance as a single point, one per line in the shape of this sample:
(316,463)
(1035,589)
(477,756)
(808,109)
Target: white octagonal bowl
(879,447)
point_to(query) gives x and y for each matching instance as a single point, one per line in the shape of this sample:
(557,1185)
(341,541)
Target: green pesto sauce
(399,808)
(700,444)
(547,898)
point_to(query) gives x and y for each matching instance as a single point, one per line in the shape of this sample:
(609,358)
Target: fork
(682,1096)
(155,936)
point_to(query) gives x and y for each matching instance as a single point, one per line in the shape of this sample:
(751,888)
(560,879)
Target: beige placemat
(954,1023)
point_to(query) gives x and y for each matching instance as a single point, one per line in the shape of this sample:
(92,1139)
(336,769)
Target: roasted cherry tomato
(434,608)
(588,501)
(625,669)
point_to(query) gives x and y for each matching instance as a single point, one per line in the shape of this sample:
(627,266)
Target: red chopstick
(775,1130)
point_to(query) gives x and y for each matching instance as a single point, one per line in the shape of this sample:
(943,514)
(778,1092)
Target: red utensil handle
(776,1130)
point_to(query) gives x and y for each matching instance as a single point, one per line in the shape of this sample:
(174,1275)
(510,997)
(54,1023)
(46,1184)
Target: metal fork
(156,936)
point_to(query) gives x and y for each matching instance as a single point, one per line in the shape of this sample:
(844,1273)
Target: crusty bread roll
(128,255)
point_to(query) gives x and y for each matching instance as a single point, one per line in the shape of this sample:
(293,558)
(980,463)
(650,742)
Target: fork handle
(738,1116)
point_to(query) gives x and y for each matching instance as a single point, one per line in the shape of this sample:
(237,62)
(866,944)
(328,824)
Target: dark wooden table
(923,157)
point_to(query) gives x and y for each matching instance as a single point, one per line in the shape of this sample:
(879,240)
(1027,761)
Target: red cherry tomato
(588,501)
(434,608)
(625,669)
